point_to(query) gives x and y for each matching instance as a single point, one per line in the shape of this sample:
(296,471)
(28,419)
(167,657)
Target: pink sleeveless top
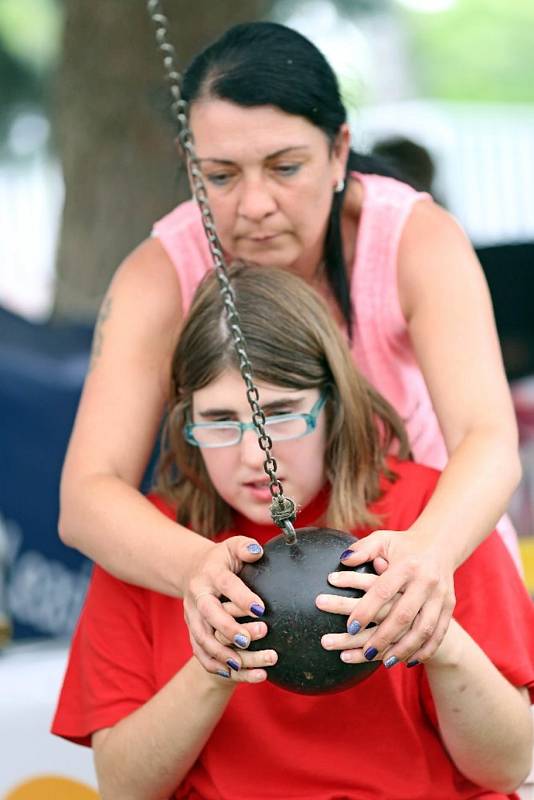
(381,345)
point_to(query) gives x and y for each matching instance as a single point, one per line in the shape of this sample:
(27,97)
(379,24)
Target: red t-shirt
(378,740)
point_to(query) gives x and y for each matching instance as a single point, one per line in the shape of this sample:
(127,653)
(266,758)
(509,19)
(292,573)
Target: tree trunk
(114,136)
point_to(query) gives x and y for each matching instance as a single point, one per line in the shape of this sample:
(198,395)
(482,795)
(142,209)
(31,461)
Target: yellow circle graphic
(50,787)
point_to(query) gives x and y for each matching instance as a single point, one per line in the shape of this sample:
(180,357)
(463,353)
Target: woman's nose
(256,201)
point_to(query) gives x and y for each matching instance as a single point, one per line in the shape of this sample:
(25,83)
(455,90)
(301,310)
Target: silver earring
(340,185)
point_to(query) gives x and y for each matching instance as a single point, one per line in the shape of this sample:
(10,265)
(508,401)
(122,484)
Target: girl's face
(270,178)
(236,471)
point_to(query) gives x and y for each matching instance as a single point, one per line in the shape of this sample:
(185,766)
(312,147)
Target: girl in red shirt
(160,725)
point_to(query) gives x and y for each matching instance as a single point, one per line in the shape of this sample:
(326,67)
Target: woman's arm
(147,754)
(102,512)
(484,721)
(120,411)
(447,306)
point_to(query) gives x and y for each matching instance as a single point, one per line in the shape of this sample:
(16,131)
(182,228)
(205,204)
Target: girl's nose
(251,453)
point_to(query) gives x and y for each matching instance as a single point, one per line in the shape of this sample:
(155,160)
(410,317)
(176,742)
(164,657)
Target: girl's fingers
(210,608)
(258,659)
(335,603)
(344,641)
(255,630)
(348,579)
(338,604)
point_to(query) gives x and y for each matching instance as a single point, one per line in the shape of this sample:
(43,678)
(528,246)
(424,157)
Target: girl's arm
(147,754)
(447,306)
(484,721)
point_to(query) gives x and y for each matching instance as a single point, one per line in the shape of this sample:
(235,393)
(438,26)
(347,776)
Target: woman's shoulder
(184,218)
(387,191)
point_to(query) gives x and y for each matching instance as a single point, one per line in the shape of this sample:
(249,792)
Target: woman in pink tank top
(399,277)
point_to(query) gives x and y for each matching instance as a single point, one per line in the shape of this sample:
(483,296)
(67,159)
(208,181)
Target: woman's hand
(211,576)
(416,587)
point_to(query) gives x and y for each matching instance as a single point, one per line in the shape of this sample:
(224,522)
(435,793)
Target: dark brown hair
(292,342)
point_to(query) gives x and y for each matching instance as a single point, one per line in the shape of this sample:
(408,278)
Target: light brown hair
(292,342)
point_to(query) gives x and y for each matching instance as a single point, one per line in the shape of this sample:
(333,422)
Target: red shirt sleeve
(494,607)
(109,673)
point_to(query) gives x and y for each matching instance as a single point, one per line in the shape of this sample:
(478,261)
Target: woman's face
(270,178)
(236,471)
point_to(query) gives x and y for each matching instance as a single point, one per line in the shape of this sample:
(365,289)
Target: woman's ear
(341,148)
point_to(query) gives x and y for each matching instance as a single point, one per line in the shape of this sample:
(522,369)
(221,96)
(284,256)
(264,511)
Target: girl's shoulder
(405,494)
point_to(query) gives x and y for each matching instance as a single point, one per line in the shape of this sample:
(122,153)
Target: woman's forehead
(223,130)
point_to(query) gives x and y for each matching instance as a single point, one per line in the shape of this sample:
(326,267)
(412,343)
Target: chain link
(283,509)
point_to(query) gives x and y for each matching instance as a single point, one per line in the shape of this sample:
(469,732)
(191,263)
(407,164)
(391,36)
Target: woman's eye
(219,178)
(287,169)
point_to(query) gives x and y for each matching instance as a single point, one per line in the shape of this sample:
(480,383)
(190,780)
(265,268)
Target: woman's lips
(262,239)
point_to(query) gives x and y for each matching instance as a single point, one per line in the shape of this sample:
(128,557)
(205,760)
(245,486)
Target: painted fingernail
(233,665)
(413,663)
(223,673)
(254,548)
(241,641)
(258,610)
(354,627)
(391,661)
(346,554)
(370,653)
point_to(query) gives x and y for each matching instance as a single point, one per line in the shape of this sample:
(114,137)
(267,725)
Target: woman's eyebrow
(270,156)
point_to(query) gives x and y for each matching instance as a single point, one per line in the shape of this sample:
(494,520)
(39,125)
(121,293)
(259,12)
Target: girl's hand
(246,666)
(352,646)
(423,575)
(211,576)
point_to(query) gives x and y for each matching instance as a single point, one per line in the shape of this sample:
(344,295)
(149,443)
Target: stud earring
(340,185)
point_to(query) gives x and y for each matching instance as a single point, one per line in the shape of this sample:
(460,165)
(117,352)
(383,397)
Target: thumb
(375,545)
(380,564)
(245,548)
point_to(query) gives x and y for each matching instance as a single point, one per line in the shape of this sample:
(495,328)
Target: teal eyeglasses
(280,428)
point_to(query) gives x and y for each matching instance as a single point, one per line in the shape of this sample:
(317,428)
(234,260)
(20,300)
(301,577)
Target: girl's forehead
(228,390)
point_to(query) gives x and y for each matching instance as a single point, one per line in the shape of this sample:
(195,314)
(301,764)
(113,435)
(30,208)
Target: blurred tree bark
(115,135)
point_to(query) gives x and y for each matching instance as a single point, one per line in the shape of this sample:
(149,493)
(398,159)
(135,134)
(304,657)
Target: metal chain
(283,509)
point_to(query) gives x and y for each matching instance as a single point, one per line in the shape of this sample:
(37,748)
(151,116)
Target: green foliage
(478,50)
(30,31)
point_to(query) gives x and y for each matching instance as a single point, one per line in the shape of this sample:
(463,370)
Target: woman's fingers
(420,574)
(409,647)
(416,623)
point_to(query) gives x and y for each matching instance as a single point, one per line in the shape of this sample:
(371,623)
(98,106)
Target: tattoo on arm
(98,337)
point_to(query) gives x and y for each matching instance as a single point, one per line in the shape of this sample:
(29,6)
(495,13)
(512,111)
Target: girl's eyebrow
(269,157)
(275,405)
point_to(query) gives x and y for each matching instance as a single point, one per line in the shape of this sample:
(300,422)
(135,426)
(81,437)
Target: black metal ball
(288,578)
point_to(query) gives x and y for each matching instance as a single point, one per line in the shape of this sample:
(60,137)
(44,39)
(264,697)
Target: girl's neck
(312,514)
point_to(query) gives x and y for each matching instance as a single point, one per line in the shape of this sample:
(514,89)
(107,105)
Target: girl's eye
(287,169)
